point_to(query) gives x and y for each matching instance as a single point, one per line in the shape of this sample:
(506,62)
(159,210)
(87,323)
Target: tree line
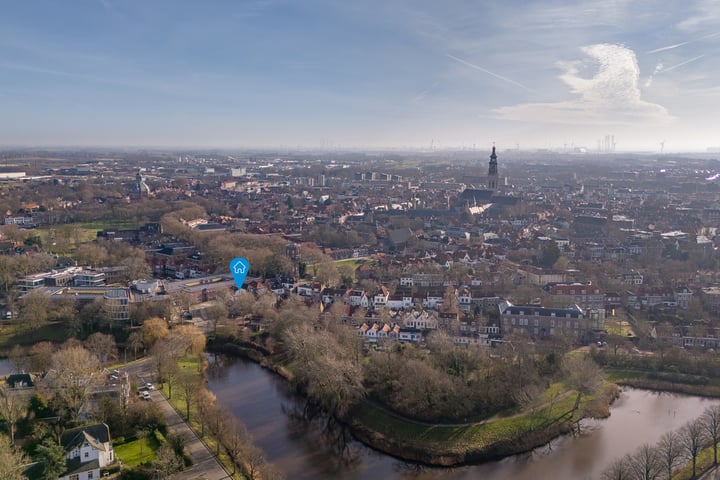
(674,449)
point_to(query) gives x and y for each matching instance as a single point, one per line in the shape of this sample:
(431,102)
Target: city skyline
(378,74)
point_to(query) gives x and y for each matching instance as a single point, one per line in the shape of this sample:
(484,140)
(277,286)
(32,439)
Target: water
(300,448)
(6,367)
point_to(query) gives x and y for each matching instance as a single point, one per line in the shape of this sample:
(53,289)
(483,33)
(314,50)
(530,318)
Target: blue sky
(287,73)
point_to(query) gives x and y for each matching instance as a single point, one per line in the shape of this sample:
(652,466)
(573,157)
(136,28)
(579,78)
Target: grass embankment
(194,365)
(665,381)
(463,443)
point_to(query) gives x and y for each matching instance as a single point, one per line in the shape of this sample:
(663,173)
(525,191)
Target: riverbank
(686,384)
(452,445)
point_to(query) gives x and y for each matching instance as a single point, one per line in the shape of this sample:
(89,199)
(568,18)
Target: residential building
(87,450)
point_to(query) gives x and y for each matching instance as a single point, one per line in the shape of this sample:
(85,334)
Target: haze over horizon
(276,73)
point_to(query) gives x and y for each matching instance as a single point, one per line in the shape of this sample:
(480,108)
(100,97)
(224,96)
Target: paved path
(712,474)
(205,465)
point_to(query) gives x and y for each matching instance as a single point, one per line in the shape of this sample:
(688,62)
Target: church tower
(492,176)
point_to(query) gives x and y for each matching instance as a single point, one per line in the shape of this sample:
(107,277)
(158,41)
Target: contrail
(682,44)
(476,67)
(669,47)
(665,70)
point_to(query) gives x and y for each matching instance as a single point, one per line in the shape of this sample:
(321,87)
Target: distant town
(359,260)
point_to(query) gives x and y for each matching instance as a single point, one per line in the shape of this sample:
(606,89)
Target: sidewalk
(205,465)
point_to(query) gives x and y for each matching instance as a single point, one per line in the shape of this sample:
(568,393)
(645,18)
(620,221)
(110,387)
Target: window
(90,475)
(74,476)
(87,454)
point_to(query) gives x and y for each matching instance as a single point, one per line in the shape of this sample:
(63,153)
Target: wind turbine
(662,146)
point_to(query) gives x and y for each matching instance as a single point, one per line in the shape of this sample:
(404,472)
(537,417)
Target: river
(302,450)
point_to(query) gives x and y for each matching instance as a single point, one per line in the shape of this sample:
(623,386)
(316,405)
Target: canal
(306,450)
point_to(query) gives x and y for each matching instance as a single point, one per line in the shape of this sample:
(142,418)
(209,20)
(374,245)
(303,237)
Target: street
(205,465)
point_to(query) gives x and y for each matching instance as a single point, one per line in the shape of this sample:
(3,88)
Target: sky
(523,74)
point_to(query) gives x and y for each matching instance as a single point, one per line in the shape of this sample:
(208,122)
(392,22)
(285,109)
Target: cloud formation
(610,95)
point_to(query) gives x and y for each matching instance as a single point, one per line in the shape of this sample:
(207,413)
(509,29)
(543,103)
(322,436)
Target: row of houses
(414,326)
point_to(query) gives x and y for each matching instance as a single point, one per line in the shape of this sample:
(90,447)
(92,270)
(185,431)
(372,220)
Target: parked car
(149,386)
(146,395)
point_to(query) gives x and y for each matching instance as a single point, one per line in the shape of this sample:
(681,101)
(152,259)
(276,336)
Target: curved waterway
(307,450)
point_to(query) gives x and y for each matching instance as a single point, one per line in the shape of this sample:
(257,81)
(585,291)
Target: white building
(87,450)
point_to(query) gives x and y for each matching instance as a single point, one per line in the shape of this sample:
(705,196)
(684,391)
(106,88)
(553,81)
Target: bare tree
(34,309)
(215,419)
(165,363)
(41,357)
(670,452)
(13,406)
(12,461)
(234,439)
(19,359)
(254,459)
(692,440)
(711,423)
(153,329)
(618,470)
(166,464)
(92,254)
(135,342)
(75,372)
(189,386)
(582,375)
(216,314)
(103,346)
(645,463)
(186,339)
(205,402)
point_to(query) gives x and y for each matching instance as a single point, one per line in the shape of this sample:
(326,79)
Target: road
(205,465)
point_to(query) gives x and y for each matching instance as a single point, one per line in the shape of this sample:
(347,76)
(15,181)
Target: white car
(146,395)
(149,386)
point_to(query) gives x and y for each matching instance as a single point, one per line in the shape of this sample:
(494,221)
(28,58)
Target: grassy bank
(497,437)
(666,382)
(467,442)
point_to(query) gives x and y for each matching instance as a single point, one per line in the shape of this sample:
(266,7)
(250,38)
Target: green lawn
(100,225)
(137,451)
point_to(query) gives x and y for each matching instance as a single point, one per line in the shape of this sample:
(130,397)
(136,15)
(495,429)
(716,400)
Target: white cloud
(611,95)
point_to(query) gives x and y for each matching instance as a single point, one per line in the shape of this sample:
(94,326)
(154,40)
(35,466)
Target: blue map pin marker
(239,268)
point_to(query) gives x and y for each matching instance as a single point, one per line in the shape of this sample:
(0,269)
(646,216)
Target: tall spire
(492,177)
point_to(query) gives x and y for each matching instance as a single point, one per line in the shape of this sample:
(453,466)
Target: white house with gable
(87,450)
